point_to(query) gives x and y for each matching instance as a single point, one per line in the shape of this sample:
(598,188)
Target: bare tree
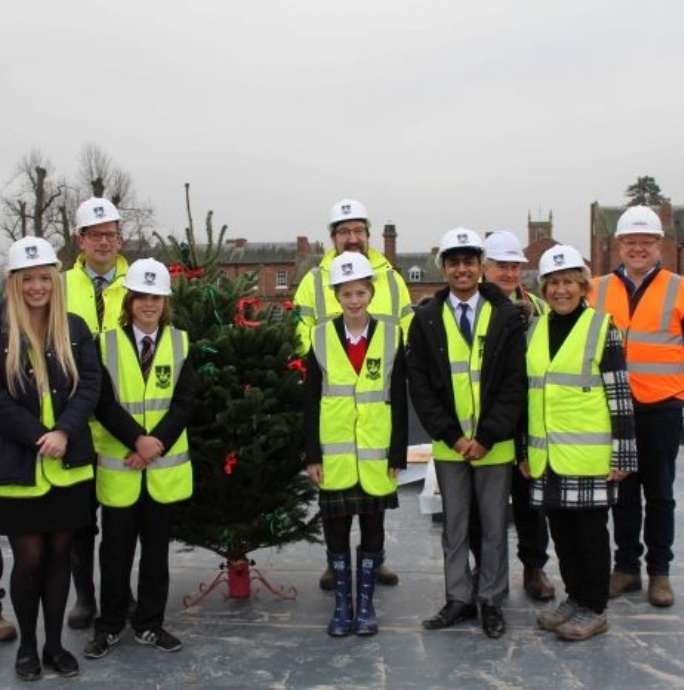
(30,207)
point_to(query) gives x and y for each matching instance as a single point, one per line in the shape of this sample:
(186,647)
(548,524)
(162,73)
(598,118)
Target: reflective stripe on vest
(465,364)
(654,345)
(568,415)
(355,419)
(169,477)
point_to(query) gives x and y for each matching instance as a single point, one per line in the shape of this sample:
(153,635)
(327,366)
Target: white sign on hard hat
(349,266)
(347,209)
(459,238)
(94,211)
(149,277)
(560,258)
(503,245)
(639,220)
(31,251)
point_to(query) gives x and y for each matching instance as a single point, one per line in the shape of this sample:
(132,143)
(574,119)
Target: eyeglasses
(631,242)
(96,236)
(348,232)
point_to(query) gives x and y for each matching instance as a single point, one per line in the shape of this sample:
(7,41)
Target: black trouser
(583,548)
(337,531)
(657,435)
(150,522)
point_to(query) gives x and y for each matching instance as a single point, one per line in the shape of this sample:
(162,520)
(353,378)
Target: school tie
(99,283)
(464,323)
(146,356)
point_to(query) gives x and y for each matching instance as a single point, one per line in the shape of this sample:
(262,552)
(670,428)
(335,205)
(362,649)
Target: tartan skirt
(354,501)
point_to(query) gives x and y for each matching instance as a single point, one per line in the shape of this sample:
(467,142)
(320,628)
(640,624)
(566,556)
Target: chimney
(665,213)
(389,235)
(303,248)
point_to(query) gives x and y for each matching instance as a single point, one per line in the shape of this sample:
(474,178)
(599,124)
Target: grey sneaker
(561,614)
(100,645)
(584,624)
(160,639)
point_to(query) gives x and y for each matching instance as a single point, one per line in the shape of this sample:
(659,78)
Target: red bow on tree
(297,365)
(231,462)
(239,318)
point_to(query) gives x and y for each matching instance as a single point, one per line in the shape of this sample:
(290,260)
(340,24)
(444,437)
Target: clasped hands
(147,449)
(470,449)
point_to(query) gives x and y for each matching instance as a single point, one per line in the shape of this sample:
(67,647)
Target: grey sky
(434,113)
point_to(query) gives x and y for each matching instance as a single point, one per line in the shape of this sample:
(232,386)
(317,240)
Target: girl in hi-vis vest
(143,465)
(49,386)
(581,439)
(355,435)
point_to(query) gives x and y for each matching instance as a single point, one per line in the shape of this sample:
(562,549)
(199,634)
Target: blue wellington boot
(367,564)
(341,623)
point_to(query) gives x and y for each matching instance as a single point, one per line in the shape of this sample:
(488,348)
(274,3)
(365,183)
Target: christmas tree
(246,435)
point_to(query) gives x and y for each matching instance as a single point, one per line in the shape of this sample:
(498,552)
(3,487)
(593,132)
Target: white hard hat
(31,251)
(347,209)
(504,246)
(349,266)
(559,258)
(94,211)
(459,238)
(639,220)
(148,276)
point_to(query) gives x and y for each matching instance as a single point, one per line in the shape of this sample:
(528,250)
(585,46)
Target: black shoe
(27,665)
(62,662)
(160,639)
(100,644)
(493,622)
(451,613)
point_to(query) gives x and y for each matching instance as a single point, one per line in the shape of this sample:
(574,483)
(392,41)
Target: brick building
(604,250)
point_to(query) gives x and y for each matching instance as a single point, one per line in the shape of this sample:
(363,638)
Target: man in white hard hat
(95,291)
(503,267)
(349,227)
(466,369)
(647,304)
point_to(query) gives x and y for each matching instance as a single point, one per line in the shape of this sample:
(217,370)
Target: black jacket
(503,379)
(312,404)
(121,424)
(21,426)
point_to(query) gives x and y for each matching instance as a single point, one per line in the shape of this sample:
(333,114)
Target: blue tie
(464,324)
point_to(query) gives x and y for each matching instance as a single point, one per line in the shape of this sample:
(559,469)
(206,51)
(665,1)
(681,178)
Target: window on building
(415,274)
(281,278)
(277,313)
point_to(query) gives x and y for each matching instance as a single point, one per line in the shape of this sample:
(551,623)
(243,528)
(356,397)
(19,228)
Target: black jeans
(150,522)
(657,435)
(583,548)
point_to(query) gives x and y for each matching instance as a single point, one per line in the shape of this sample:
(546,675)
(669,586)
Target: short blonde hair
(579,275)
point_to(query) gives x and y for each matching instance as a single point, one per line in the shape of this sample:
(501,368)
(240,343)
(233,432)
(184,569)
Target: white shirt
(139,335)
(472,303)
(354,339)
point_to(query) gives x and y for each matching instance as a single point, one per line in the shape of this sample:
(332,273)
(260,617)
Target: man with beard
(349,230)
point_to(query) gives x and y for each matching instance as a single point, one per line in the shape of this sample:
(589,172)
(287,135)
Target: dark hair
(464,251)
(126,318)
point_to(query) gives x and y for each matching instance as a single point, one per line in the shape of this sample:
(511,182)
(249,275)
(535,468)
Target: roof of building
(424,261)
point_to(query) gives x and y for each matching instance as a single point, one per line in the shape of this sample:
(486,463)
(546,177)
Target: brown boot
(387,577)
(537,584)
(621,583)
(7,630)
(659,591)
(327,580)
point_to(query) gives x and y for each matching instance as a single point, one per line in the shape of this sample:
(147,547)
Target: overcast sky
(434,113)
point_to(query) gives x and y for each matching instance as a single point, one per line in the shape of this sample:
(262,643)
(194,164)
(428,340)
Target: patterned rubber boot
(367,564)
(341,623)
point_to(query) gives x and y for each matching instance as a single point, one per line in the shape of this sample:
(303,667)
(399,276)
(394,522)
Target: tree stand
(236,575)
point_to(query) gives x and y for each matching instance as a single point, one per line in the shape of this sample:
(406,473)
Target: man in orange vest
(647,304)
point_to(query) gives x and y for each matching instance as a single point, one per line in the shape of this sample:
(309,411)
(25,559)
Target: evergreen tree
(246,436)
(644,192)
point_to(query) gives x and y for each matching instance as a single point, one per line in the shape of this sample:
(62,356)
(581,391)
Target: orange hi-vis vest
(654,343)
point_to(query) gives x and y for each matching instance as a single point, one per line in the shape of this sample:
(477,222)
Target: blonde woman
(49,386)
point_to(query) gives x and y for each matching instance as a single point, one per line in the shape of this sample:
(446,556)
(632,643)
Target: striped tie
(99,283)
(146,356)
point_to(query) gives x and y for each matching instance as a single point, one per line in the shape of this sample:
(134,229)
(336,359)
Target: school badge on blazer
(373,368)
(162,375)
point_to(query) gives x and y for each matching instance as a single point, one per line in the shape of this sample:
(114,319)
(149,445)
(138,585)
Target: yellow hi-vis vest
(466,364)
(317,303)
(569,420)
(169,477)
(356,416)
(80,295)
(49,471)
